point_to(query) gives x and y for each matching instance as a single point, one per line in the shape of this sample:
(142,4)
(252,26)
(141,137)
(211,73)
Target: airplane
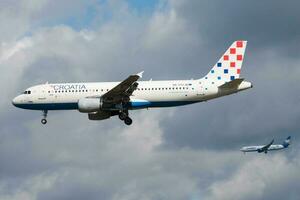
(268,147)
(102,100)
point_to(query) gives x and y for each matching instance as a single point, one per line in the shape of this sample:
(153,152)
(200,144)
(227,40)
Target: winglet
(140,74)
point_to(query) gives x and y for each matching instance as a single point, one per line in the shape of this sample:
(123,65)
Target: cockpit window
(27,92)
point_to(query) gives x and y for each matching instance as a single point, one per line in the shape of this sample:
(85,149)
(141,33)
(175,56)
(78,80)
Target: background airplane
(268,147)
(105,99)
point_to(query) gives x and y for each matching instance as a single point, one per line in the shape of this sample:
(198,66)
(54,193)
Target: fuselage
(103,100)
(257,148)
(65,96)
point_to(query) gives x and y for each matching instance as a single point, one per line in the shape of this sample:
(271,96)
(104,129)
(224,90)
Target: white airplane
(268,147)
(105,99)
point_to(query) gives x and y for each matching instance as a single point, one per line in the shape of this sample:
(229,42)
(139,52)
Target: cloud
(189,152)
(260,178)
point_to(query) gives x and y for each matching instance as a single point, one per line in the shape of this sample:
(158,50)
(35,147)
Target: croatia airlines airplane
(268,147)
(105,99)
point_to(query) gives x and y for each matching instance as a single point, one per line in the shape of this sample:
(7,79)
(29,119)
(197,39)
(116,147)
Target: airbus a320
(103,100)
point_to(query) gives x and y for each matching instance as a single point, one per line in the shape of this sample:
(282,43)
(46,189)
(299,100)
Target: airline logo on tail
(229,66)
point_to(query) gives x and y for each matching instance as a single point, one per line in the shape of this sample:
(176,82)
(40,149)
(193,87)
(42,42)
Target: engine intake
(88,105)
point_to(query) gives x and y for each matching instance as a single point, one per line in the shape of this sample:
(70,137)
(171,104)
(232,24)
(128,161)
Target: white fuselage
(65,96)
(257,148)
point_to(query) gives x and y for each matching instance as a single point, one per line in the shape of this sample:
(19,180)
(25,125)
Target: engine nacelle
(88,105)
(100,115)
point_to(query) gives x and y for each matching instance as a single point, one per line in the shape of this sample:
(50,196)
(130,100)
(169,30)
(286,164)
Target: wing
(265,148)
(123,90)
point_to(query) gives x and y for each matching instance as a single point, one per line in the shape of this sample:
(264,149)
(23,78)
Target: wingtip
(140,74)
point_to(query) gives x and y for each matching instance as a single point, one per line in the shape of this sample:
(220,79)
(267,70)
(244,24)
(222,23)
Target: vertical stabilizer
(229,66)
(287,142)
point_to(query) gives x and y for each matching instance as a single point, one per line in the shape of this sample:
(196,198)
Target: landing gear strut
(44,120)
(123,115)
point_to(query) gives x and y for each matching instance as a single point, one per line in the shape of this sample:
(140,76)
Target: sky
(190,152)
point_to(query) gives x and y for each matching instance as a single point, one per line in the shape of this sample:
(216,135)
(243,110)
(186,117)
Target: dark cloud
(264,23)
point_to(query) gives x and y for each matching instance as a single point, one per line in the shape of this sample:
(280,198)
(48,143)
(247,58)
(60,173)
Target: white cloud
(258,177)
(74,156)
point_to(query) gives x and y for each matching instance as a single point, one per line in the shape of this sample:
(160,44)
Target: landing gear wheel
(44,121)
(128,121)
(122,116)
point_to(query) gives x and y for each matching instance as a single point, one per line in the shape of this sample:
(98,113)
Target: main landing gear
(123,115)
(44,120)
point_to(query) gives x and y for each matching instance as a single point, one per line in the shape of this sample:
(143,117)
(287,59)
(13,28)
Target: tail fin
(229,66)
(287,141)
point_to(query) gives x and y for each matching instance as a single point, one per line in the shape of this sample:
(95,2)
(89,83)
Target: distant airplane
(268,147)
(105,99)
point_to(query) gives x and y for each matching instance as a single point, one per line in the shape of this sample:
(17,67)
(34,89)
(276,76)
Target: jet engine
(88,105)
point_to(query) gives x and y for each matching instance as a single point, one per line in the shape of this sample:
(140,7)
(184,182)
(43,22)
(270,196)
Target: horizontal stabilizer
(232,84)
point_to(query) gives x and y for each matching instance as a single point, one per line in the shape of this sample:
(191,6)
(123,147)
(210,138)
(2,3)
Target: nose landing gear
(44,120)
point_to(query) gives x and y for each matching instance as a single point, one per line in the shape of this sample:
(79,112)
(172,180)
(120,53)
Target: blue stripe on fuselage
(48,106)
(74,106)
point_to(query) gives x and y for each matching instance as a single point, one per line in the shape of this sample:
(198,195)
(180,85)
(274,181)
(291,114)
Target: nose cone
(16,101)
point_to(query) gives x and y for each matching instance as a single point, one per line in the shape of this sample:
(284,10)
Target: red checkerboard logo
(239,57)
(238,71)
(226,57)
(239,44)
(232,64)
(232,50)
